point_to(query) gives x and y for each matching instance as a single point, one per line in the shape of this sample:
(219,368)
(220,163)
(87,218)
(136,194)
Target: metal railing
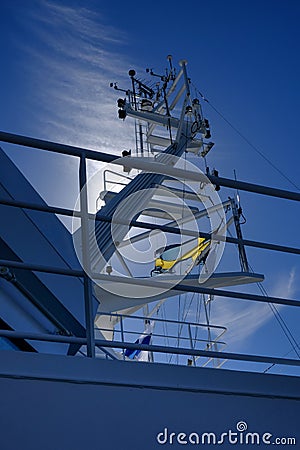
(190,332)
(83,214)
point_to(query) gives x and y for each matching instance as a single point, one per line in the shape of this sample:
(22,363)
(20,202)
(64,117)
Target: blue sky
(59,58)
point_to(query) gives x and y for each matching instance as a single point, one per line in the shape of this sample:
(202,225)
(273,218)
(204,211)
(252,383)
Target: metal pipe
(152,283)
(183,64)
(87,282)
(122,334)
(55,147)
(161,207)
(232,240)
(160,106)
(176,99)
(256,188)
(42,207)
(152,348)
(150,226)
(53,318)
(191,342)
(143,165)
(155,167)
(42,268)
(157,319)
(170,336)
(238,229)
(178,222)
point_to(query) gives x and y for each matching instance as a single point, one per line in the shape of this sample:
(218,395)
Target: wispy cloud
(68,55)
(286,286)
(74,57)
(243,319)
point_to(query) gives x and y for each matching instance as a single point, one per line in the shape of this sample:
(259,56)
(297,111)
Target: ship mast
(169,126)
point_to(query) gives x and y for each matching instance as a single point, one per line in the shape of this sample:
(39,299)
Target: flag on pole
(145,338)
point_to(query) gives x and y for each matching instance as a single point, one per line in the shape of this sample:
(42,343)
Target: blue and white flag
(145,338)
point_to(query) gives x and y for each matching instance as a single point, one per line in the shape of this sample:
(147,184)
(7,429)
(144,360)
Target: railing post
(122,335)
(88,293)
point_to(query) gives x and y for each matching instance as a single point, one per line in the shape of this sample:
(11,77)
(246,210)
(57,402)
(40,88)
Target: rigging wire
(282,323)
(294,344)
(165,331)
(278,316)
(286,330)
(254,147)
(179,329)
(184,316)
(185,308)
(274,364)
(198,315)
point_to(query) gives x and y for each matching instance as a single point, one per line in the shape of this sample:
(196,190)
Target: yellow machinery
(171,255)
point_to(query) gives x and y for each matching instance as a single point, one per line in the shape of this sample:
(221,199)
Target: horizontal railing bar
(141,164)
(264,245)
(42,208)
(152,283)
(168,336)
(255,188)
(158,319)
(42,268)
(147,226)
(151,348)
(231,240)
(64,149)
